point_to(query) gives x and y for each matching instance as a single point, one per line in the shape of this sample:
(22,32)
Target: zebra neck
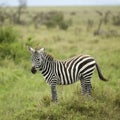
(47,69)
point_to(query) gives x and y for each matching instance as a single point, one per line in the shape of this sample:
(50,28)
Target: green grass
(24,96)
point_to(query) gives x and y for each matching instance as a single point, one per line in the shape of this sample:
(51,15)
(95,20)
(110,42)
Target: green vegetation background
(24,96)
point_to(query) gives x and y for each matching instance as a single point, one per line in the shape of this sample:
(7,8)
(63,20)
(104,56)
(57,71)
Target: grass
(24,96)
(30,98)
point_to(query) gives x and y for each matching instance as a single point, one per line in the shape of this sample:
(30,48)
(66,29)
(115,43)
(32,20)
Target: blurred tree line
(22,16)
(11,47)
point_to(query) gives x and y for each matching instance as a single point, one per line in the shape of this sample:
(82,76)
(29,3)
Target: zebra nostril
(33,70)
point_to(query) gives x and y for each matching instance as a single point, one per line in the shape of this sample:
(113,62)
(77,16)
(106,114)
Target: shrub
(116,20)
(7,35)
(53,19)
(50,24)
(10,46)
(65,24)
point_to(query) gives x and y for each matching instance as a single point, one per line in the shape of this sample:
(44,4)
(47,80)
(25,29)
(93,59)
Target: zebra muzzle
(33,70)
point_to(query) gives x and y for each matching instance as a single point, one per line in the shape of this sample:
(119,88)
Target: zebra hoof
(54,101)
(33,70)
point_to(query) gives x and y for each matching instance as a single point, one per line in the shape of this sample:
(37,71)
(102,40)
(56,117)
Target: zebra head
(36,58)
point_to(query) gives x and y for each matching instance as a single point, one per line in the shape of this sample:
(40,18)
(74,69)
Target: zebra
(66,72)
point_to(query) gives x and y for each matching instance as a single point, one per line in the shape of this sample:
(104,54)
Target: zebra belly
(62,82)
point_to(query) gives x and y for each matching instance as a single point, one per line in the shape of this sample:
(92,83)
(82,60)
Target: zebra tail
(100,73)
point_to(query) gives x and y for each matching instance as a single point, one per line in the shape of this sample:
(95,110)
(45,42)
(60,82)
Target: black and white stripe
(65,72)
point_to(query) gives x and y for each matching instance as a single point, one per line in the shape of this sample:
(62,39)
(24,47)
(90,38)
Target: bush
(50,24)
(53,19)
(116,20)
(8,35)
(65,24)
(10,46)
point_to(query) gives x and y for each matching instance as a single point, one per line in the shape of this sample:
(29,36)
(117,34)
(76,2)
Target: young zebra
(65,72)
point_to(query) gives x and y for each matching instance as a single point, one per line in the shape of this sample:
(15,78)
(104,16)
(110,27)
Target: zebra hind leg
(83,86)
(88,86)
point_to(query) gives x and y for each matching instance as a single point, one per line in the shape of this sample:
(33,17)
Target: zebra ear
(41,50)
(31,49)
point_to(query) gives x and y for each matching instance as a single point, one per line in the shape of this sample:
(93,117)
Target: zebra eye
(38,59)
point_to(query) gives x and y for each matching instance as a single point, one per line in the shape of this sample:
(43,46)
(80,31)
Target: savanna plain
(64,32)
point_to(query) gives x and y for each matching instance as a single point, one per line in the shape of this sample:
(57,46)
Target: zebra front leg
(54,93)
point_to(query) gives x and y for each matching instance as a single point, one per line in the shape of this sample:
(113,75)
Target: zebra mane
(48,57)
